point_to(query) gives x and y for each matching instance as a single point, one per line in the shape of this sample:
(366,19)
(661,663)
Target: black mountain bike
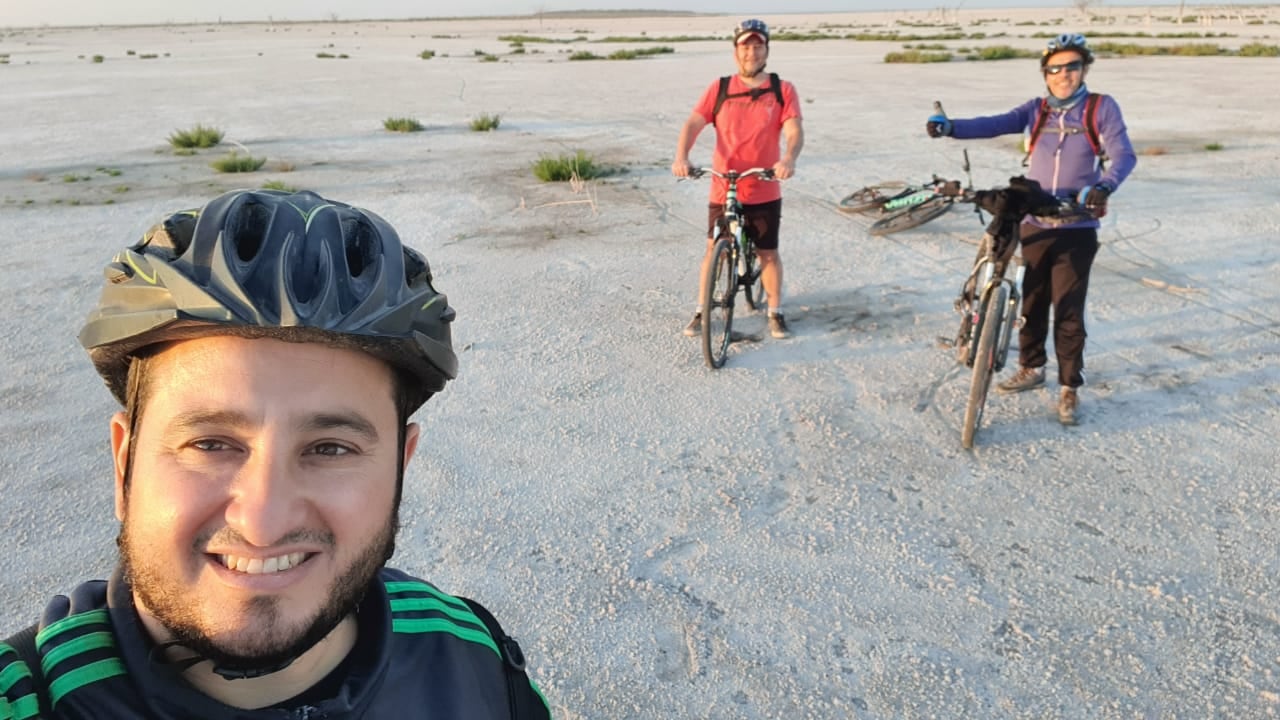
(733,267)
(989,301)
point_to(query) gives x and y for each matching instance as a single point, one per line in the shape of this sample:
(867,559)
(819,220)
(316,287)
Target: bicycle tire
(984,360)
(754,293)
(719,287)
(868,198)
(911,217)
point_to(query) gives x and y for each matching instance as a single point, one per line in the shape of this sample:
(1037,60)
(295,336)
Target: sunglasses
(1073,66)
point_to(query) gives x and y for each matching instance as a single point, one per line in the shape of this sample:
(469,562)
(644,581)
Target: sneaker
(1067,404)
(1025,379)
(778,326)
(694,328)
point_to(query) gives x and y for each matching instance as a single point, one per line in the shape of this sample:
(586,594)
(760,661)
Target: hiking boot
(1025,379)
(778,326)
(694,328)
(1067,404)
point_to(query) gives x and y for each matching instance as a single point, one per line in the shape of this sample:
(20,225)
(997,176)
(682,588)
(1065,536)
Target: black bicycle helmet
(265,263)
(1067,41)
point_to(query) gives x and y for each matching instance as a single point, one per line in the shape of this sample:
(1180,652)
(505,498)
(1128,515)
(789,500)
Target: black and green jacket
(420,653)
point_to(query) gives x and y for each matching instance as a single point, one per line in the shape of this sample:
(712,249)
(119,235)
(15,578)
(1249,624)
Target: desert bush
(72,177)
(561,168)
(1002,52)
(148,56)
(401,124)
(916,56)
(325,55)
(427,54)
(130,53)
(278,185)
(665,39)
(197,137)
(1213,146)
(585,55)
(485,122)
(234,162)
(1256,49)
(1196,50)
(109,172)
(488,58)
(98,58)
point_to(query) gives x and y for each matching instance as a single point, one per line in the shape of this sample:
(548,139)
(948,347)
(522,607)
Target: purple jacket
(1063,161)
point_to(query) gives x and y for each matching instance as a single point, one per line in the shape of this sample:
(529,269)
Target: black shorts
(760,222)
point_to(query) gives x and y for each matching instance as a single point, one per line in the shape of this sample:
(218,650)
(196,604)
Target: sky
(28,13)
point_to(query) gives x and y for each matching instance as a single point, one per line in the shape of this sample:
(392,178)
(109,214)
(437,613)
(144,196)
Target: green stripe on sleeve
(427,604)
(24,708)
(70,623)
(71,648)
(395,588)
(440,625)
(12,673)
(87,675)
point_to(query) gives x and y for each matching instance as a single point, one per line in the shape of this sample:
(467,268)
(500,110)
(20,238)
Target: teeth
(260,566)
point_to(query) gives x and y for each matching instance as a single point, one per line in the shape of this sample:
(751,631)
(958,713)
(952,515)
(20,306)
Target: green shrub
(234,162)
(72,177)
(485,122)
(109,172)
(561,168)
(278,185)
(1196,50)
(916,56)
(427,54)
(98,58)
(402,124)
(148,56)
(585,55)
(488,58)
(130,52)
(197,137)
(324,55)
(1213,146)
(1256,49)
(1002,52)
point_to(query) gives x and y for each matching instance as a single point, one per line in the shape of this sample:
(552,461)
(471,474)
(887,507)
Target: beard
(260,638)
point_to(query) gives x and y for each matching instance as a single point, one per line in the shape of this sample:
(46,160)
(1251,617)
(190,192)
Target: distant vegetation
(234,162)
(917,56)
(485,122)
(562,168)
(197,137)
(402,124)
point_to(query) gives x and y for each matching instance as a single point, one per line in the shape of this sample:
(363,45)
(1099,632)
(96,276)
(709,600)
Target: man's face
(751,54)
(1071,72)
(261,495)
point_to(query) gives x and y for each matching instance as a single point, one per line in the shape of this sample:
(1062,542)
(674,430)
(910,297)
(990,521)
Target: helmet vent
(251,221)
(362,246)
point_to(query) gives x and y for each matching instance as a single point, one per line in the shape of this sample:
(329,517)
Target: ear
(120,456)
(411,433)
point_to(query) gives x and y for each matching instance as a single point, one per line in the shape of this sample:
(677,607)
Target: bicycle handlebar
(762,173)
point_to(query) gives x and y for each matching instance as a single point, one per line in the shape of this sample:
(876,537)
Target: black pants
(1057,277)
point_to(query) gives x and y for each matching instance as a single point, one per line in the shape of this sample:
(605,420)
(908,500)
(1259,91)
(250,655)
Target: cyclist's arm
(793,133)
(1115,140)
(986,126)
(680,167)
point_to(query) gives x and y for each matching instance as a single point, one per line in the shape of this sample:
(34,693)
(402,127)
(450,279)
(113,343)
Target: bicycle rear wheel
(869,198)
(719,287)
(914,216)
(984,362)
(754,293)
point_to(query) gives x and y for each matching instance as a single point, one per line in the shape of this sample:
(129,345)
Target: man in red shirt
(749,125)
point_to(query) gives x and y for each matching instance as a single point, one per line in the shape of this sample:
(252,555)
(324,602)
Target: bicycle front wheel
(871,197)
(984,363)
(914,216)
(719,287)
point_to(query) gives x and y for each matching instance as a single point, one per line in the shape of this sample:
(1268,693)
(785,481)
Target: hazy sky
(94,12)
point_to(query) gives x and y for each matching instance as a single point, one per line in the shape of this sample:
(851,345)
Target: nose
(268,499)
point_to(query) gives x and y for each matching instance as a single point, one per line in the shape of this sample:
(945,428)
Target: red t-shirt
(748,134)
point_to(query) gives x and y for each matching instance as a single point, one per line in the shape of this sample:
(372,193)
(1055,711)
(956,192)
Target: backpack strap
(524,701)
(1091,103)
(24,642)
(1091,127)
(775,87)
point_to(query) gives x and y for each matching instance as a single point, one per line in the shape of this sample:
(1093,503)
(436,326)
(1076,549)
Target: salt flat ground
(797,535)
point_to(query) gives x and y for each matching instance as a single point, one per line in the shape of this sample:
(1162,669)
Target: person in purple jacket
(1074,132)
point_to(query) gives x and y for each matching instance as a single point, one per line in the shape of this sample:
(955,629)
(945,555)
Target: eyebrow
(351,421)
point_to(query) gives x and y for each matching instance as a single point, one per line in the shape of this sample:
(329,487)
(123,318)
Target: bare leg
(771,276)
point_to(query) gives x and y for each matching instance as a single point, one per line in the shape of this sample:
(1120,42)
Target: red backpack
(1090,128)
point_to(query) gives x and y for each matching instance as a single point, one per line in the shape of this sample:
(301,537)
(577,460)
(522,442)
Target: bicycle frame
(988,275)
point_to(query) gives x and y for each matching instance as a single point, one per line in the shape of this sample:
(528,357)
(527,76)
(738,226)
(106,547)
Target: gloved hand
(938,126)
(1094,198)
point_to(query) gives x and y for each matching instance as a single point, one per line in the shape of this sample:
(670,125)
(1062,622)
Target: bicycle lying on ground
(733,267)
(989,302)
(903,206)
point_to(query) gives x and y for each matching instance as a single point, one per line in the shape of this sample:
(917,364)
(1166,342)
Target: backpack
(1090,128)
(774,86)
(521,697)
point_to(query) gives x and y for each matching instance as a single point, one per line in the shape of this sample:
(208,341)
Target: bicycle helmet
(265,263)
(749,27)
(1067,41)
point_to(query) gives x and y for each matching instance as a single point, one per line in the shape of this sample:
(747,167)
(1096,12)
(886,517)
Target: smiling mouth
(262,566)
